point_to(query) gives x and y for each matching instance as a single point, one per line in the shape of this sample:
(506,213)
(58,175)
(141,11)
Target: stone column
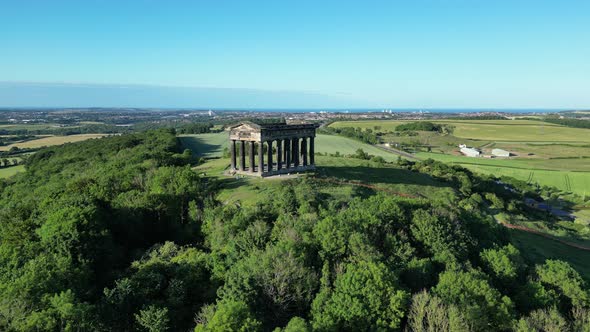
(252,166)
(295,143)
(279,154)
(242,155)
(312,150)
(269,155)
(260,157)
(232,149)
(304,151)
(287,143)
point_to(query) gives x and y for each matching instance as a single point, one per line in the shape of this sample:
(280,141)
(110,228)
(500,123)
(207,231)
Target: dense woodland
(119,234)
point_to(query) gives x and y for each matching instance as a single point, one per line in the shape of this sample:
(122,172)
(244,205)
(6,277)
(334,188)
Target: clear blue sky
(441,53)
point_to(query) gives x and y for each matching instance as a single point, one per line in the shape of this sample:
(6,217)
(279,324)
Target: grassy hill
(212,145)
(382,177)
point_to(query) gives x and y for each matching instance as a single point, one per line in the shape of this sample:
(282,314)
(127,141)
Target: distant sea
(407,110)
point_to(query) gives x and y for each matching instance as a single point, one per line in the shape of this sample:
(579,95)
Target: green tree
(428,313)
(504,264)
(365,297)
(153,319)
(483,306)
(441,236)
(233,316)
(563,278)
(543,320)
(297,324)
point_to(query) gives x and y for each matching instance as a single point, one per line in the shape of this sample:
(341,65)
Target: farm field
(27,126)
(491,130)
(212,145)
(534,171)
(546,153)
(51,140)
(10,171)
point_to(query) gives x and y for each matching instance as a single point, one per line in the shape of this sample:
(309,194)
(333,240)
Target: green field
(491,130)
(10,171)
(552,172)
(538,249)
(347,146)
(212,145)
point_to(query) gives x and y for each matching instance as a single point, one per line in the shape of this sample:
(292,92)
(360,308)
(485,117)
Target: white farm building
(470,152)
(500,153)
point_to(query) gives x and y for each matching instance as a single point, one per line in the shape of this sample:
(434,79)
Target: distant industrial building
(470,152)
(500,153)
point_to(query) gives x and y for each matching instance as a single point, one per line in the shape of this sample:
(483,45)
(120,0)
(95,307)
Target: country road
(398,152)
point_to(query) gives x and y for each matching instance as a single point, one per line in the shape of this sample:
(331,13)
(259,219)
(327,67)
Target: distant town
(122,117)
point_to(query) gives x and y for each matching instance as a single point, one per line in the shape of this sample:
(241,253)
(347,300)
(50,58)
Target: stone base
(274,172)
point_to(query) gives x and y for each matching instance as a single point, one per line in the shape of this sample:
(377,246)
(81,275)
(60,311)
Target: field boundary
(545,235)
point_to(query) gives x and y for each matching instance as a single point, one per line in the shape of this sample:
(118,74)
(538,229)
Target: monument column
(232,148)
(304,151)
(252,157)
(242,155)
(295,143)
(287,143)
(279,154)
(260,157)
(311,150)
(269,155)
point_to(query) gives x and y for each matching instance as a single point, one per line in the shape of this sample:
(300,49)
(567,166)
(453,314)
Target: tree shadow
(385,175)
(201,148)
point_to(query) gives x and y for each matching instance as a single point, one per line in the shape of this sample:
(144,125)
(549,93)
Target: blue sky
(394,54)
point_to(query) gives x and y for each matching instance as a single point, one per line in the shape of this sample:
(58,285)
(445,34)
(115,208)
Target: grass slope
(538,249)
(388,178)
(206,145)
(212,145)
